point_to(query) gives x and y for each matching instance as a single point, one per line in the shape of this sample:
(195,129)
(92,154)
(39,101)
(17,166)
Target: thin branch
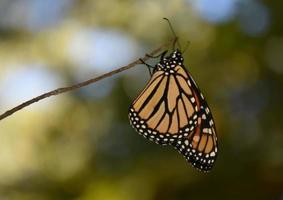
(82,84)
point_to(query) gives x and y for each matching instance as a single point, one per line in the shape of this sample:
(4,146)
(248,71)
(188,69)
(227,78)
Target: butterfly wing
(200,146)
(163,111)
(172,111)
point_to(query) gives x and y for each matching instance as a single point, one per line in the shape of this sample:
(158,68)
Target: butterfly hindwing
(200,146)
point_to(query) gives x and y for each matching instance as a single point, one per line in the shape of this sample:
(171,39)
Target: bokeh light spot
(254,17)
(27,81)
(217,11)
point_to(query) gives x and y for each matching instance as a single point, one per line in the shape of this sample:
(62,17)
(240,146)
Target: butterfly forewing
(171,110)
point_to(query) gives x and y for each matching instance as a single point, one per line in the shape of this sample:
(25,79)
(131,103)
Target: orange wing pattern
(172,111)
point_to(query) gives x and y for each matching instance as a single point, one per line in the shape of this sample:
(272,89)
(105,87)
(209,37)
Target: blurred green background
(80,145)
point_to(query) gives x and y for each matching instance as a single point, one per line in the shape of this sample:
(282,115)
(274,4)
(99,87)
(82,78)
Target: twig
(82,84)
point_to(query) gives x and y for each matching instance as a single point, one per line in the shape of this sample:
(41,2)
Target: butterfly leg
(149,67)
(174,44)
(157,56)
(186,47)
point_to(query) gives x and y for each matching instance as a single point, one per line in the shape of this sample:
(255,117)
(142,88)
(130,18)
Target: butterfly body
(172,111)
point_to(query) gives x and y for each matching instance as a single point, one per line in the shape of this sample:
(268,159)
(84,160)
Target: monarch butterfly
(171,110)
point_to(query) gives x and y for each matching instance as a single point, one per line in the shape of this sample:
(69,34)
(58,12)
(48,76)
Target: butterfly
(171,110)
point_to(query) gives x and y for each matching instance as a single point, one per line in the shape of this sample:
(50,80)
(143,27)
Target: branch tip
(82,84)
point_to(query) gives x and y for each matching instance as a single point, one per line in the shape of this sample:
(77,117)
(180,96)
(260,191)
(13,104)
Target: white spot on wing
(205,130)
(187,142)
(189,82)
(212,154)
(206,110)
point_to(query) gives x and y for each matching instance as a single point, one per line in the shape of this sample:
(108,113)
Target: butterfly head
(171,61)
(176,56)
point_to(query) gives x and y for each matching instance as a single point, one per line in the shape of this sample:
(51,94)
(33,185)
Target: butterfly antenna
(173,32)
